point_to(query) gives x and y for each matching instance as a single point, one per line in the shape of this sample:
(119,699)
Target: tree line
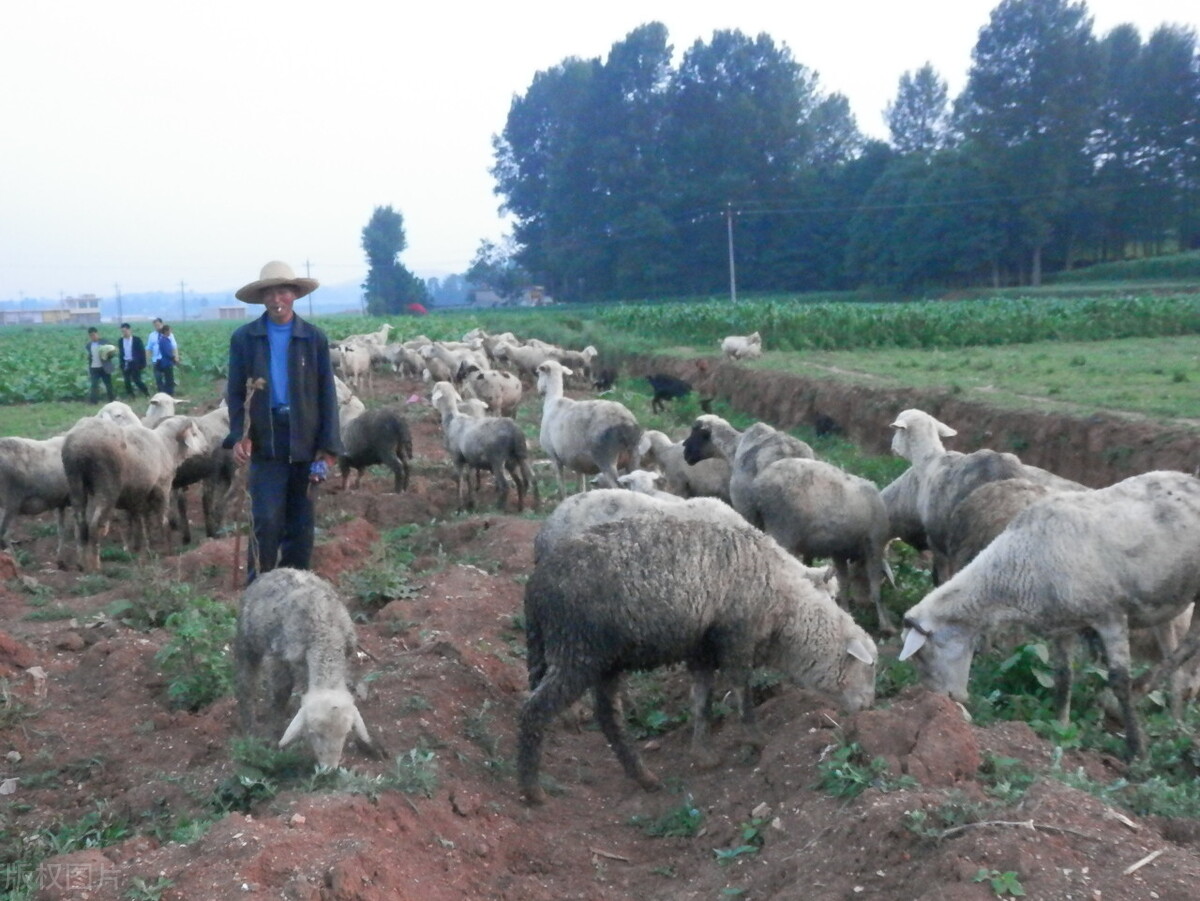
(630,177)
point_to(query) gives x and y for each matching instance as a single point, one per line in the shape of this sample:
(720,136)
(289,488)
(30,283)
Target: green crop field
(1139,354)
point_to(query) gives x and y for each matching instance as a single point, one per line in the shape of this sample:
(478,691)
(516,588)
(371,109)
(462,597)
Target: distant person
(133,361)
(101,363)
(152,353)
(286,425)
(168,358)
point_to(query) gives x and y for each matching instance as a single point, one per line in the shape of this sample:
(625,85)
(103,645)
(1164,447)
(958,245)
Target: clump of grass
(195,659)
(684,820)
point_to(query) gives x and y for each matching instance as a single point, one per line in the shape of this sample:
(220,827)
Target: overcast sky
(147,143)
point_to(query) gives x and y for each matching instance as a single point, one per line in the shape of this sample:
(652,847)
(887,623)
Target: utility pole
(308,274)
(120,314)
(732,271)
(182,303)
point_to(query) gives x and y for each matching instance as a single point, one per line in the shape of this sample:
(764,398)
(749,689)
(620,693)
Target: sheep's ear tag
(856,649)
(914,640)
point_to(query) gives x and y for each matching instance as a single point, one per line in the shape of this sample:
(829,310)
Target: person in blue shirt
(166,358)
(283,418)
(152,353)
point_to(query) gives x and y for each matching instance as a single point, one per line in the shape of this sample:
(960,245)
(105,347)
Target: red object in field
(416,309)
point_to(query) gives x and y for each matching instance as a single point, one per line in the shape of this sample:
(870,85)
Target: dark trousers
(96,376)
(164,378)
(133,378)
(283,515)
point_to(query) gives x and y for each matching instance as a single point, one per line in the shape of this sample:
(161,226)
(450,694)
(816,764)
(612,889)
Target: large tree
(389,287)
(1029,110)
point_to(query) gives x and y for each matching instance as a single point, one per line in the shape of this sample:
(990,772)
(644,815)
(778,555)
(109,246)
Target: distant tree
(495,266)
(919,118)
(389,287)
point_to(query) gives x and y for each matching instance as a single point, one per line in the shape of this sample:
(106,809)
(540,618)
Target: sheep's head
(915,429)
(699,444)
(326,717)
(550,372)
(942,654)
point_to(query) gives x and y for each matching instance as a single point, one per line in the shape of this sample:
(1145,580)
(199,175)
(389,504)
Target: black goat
(604,379)
(666,387)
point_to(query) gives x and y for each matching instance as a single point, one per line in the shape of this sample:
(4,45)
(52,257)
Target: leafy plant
(195,658)
(141,890)
(1002,884)
(752,840)
(684,820)
(846,773)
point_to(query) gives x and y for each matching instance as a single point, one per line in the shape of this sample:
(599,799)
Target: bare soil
(447,675)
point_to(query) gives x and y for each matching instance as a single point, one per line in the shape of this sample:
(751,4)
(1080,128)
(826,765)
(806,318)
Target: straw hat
(273,274)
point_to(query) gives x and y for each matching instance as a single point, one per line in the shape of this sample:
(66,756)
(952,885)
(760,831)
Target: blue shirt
(279,336)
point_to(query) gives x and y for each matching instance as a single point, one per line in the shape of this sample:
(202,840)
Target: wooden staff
(252,385)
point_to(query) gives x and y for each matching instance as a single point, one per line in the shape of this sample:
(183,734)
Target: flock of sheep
(704,557)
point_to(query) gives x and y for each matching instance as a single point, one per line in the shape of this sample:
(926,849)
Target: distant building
(229,312)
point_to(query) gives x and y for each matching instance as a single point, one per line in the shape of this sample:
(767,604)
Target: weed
(681,821)
(195,658)
(376,586)
(49,614)
(752,842)
(1005,883)
(846,773)
(12,711)
(141,890)
(415,704)
(1179,376)
(89,584)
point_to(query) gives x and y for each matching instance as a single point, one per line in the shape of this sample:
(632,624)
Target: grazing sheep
(665,388)
(646,592)
(501,391)
(526,358)
(982,515)
(493,443)
(376,436)
(748,453)
(580,512)
(814,509)
(131,468)
(1110,559)
(587,436)
(119,412)
(900,499)
(354,363)
(742,347)
(706,478)
(578,361)
(293,622)
(32,481)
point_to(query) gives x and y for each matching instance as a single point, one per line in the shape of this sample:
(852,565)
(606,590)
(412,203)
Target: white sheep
(131,468)
(161,406)
(293,622)
(493,443)
(814,509)
(742,347)
(705,478)
(527,357)
(214,469)
(580,512)
(1116,558)
(586,436)
(945,478)
(748,452)
(32,481)
(354,361)
(501,391)
(643,481)
(649,591)
(119,412)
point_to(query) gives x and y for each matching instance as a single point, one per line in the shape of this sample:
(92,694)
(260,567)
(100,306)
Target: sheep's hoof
(533,795)
(706,759)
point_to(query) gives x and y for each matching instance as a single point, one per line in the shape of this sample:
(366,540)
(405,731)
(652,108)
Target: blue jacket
(312,395)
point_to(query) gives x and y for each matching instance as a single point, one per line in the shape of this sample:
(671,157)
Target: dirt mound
(96,745)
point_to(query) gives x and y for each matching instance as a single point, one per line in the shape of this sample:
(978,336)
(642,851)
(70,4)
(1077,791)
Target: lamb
(1116,558)
(748,452)
(526,358)
(742,347)
(705,478)
(493,443)
(586,436)
(580,512)
(578,361)
(131,468)
(646,592)
(293,621)
(643,481)
(666,387)
(501,391)
(376,436)
(32,481)
(814,509)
